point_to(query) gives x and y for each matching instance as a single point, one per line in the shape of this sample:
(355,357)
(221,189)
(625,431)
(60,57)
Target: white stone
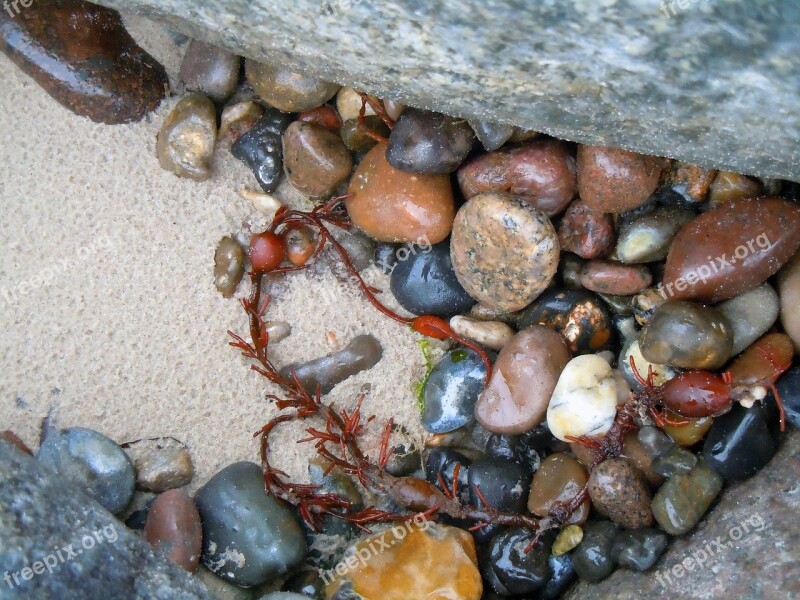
(492,334)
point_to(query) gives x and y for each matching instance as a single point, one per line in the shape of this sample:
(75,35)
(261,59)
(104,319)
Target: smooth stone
(514,571)
(248,536)
(523,379)
(186,141)
(385,257)
(82,55)
(348,103)
(612,180)
(360,247)
(173,528)
(260,148)
(568,539)
(503,483)
(236,119)
(732,249)
(425,283)
(442,462)
(584,401)
(316,160)
(655,442)
(393,206)
(676,461)
(619,492)
(619,305)
(228,266)
(639,550)
(690,433)
(451,391)
(221,589)
(759,364)
(92,461)
(324,116)
(661,373)
(728,186)
(585,232)
(513,448)
(741,442)
(682,501)
(541,172)
(686,184)
(210,70)
(648,238)
(750,315)
(504,251)
(491,135)
(789,290)
(593,560)
(789,388)
(362,353)
(559,479)
(162,469)
(278,331)
(561,575)
(300,245)
(356,138)
(288,91)
(608,277)
(645,304)
(491,334)
(428,142)
(418,559)
(13,439)
(687,335)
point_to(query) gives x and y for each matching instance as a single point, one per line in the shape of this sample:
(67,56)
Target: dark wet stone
(92,461)
(570,267)
(491,135)
(443,461)
(173,528)
(357,140)
(619,305)
(363,352)
(640,549)
(210,70)
(503,483)
(789,389)
(336,482)
(511,570)
(248,536)
(685,185)
(593,559)
(360,248)
(451,391)
(228,266)
(656,443)
(136,520)
(426,284)
(676,461)
(81,55)
(428,142)
(561,575)
(527,449)
(682,501)
(286,90)
(260,148)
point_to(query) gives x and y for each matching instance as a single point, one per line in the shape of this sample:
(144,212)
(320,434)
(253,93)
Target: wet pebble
(569,270)
(323,116)
(236,119)
(228,266)
(491,135)
(656,443)
(426,284)
(248,536)
(304,585)
(682,501)
(163,468)
(356,138)
(288,91)
(593,560)
(173,528)
(648,237)
(789,388)
(210,70)
(385,257)
(728,186)
(789,289)
(645,304)
(428,142)
(404,460)
(300,245)
(503,484)
(676,461)
(360,248)
(686,184)
(639,550)
(278,331)
(750,315)
(260,148)
(93,462)
(687,335)
(186,141)
(561,575)
(587,233)
(505,252)
(316,160)
(451,391)
(690,433)
(333,480)
(492,334)
(610,277)
(559,479)
(618,491)
(510,570)
(362,353)
(637,454)
(348,103)
(442,462)
(568,538)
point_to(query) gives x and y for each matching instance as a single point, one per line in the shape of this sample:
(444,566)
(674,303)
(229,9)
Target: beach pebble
(593,560)
(612,180)
(569,270)
(568,538)
(356,138)
(492,334)
(789,388)
(323,116)
(512,571)
(288,91)
(750,315)
(656,443)
(584,401)
(541,172)
(504,484)
(93,462)
(640,549)
(442,462)
(619,492)
(385,257)
(675,461)
(162,469)
(228,266)
(13,439)
(512,448)
(587,233)
(732,249)
(647,238)
(682,501)
(661,373)
(428,142)
(451,391)
(360,248)
(687,335)
(789,289)
(561,575)
(505,252)
(559,479)
(260,148)
(523,379)
(362,353)
(578,315)
(689,434)
(728,186)
(173,528)
(220,589)
(685,184)
(316,160)
(300,244)
(236,119)
(608,277)
(210,70)
(348,103)
(248,536)
(393,206)
(491,135)
(186,140)
(426,284)
(278,331)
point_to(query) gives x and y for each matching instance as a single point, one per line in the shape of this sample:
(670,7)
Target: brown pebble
(236,120)
(690,433)
(162,469)
(789,290)
(691,181)
(559,478)
(186,140)
(315,159)
(228,266)
(323,116)
(174,529)
(211,70)
(619,492)
(634,451)
(288,91)
(587,233)
(607,277)
(13,439)
(728,186)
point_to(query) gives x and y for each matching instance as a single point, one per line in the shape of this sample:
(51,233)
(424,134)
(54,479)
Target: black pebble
(260,148)
(593,559)
(639,549)
(510,570)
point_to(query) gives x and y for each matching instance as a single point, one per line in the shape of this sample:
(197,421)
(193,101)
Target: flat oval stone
(492,334)
(491,135)
(428,142)
(210,70)
(559,479)
(93,462)
(393,206)
(315,159)
(228,266)
(186,141)
(682,501)
(159,469)
(619,492)
(523,379)
(451,391)
(687,335)
(594,559)
(288,91)
(248,536)
(648,237)
(173,528)
(585,232)
(260,148)
(639,550)
(608,277)
(542,172)
(732,249)
(750,315)
(789,289)
(426,284)
(504,251)
(612,180)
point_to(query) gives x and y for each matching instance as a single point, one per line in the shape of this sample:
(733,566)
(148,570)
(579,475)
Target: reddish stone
(173,528)
(324,116)
(587,233)
(609,277)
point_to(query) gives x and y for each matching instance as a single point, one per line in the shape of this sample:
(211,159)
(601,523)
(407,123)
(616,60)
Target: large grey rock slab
(713,82)
(56,543)
(746,548)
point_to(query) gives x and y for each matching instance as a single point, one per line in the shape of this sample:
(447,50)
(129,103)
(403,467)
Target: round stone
(315,159)
(608,277)
(593,559)
(428,142)
(492,334)
(288,91)
(559,479)
(587,233)
(682,501)
(186,141)
(639,550)
(173,528)
(513,571)
(228,266)
(750,315)
(210,70)
(619,492)
(647,238)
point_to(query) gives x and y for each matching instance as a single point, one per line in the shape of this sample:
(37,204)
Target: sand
(108,312)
